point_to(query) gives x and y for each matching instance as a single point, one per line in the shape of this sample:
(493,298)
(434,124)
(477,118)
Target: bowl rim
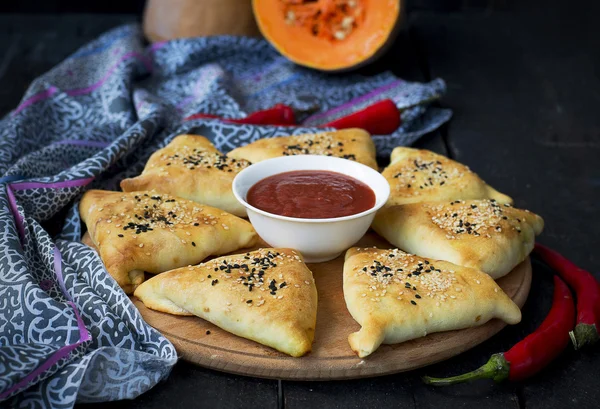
(367,212)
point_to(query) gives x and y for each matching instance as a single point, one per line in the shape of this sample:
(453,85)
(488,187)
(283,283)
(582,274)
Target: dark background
(137,6)
(523,81)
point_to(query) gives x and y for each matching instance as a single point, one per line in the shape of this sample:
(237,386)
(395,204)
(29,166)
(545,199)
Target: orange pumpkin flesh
(328,35)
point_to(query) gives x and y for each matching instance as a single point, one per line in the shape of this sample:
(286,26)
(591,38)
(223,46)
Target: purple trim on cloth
(57,356)
(58,272)
(55,185)
(111,70)
(257,75)
(157,46)
(35,98)
(353,102)
(274,85)
(84,334)
(86,90)
(12,201)
(77,142)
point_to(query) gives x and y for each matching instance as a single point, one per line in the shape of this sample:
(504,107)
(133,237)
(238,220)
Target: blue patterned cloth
(67,332)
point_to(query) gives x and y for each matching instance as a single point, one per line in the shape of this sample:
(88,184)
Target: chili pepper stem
(584,334)
(497,368)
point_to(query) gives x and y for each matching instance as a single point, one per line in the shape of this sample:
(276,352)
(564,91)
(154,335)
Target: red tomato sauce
(311,194)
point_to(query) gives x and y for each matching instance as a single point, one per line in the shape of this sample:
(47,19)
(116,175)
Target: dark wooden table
(524,84)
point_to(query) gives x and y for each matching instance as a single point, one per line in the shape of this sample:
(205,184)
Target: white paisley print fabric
(67,332)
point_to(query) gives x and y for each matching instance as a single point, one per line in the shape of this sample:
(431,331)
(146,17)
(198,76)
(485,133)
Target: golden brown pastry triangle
(191,167)
(481,234)
(354,144)
(418,175)
(268,296)
(155,232)
(396,297)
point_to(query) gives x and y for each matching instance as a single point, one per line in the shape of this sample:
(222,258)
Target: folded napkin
(67,332)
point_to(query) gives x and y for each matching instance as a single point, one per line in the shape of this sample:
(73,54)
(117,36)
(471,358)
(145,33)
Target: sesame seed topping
(192,158)
(383,271)
(475,218)
(427,171)
(324,143)
(138,214)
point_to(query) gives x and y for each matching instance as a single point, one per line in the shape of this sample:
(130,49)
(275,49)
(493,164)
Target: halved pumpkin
(328,35)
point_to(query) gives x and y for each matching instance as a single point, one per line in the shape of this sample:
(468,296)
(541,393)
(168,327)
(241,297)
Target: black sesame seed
(413,302)
(249,302)
(193,244)
(120,235)
(417,296)
(215,281)
(207,332)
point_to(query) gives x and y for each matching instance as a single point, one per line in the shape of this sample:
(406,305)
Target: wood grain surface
(202,343)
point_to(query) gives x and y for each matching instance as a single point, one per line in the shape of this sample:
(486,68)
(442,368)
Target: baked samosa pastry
(268,296)
(354,144)
(155,232)
(396,297)
(418,175)
(191,167)
(481,234)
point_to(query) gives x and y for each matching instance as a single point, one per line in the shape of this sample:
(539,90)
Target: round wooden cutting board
(200,342)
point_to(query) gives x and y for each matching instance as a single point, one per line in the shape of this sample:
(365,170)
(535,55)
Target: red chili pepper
(279,114)
(381,118)
(533,353)
(587,291)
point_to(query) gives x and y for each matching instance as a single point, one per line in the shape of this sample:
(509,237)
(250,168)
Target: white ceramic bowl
(317,239)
